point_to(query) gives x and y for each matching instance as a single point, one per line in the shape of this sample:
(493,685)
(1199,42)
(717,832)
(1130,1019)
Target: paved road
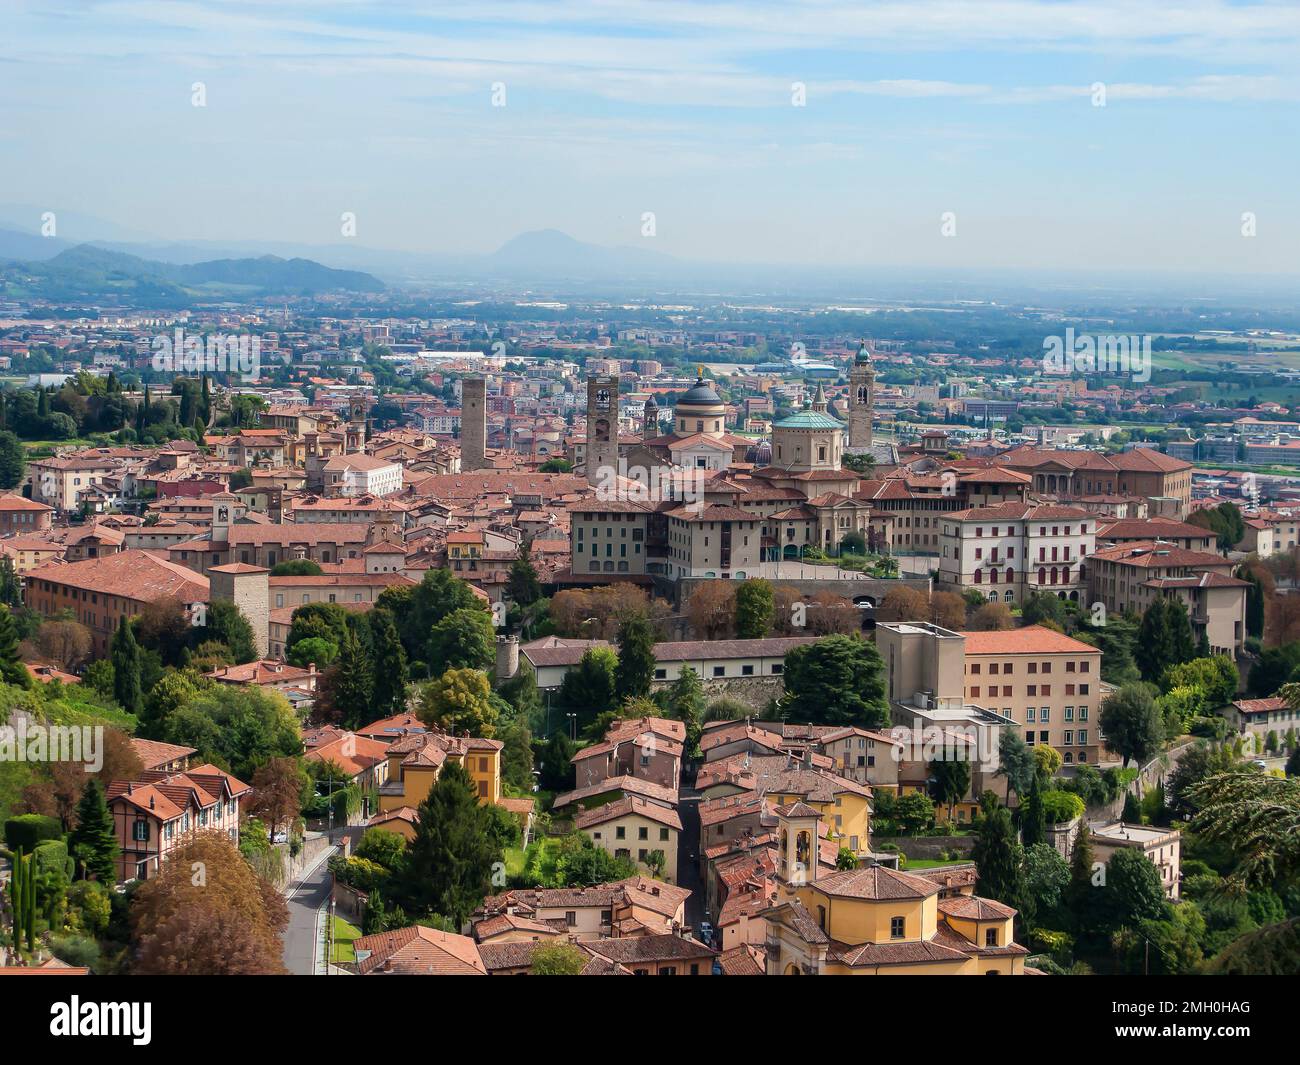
(688,851)
(303,954)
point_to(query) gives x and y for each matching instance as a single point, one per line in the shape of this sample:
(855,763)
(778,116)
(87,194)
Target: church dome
(701,395)
(760,454)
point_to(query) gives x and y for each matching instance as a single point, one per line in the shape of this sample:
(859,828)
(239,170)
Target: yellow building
(844,806)
(415,760)
(633,828)
(877,921)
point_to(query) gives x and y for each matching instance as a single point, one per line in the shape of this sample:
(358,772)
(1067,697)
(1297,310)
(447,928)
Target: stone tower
(862,388)
(248,587)
(473,424)
(602,426)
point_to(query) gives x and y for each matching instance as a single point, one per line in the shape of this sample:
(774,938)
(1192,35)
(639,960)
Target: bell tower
(862,388)
(602,427)
(796,834)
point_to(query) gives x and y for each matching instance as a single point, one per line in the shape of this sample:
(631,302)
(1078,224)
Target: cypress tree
(12,671)
(1031,819)
(94,840)
(390,672)
(125,656)
(1154,650)
(1182,642)
(1080,893)
(636,658)
(997,858)
(522,586)
(353,687)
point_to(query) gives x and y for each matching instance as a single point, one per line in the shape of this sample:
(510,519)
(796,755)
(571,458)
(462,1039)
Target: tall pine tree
(12,671)
(94,840)
(450,862)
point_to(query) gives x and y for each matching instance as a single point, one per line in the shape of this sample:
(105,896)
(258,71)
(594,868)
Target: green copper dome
(809,419)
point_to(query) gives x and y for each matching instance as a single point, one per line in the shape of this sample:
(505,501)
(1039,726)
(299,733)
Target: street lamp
(573,727)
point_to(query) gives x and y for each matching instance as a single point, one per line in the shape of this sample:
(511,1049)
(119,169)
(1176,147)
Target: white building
(355,475)
(1010,551)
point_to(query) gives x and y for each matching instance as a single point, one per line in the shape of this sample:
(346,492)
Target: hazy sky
(913,108)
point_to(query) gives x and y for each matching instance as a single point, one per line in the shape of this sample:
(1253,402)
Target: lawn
(342,935)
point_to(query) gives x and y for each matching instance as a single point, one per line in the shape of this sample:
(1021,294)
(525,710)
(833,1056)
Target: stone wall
(925,848)
(753,691)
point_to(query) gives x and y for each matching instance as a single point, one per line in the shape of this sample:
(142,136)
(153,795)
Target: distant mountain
(19,245)
(92,273)
(550,253)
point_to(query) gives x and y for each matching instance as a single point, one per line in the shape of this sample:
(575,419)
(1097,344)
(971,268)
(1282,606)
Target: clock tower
(602,426)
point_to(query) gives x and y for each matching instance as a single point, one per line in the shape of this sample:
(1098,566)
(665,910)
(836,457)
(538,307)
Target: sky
(1009,134)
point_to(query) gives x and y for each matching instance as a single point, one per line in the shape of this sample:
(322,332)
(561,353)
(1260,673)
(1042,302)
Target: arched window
(1042,575)
(993,576)
(979,576)
(1011,574)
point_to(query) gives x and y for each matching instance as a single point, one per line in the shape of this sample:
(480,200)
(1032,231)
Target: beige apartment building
(1046,682)
(975,684)
(1009,551)
(633,828)
(609,536)
(714,541)
(1128,578)
(59,482)
(1267,536)
(1162,847)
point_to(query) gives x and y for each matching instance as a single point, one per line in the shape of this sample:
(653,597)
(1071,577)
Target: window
(990,937)
(643,833)
(719,671)
(620,832)
(897,927)
(140,830)
(571,917)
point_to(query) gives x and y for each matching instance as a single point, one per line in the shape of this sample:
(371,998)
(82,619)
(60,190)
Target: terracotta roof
(629,805)
(1149,554)
(1032,639)
(974,908)
(633,785)
(154,753)
(419,951)
(876,882)
(137,575)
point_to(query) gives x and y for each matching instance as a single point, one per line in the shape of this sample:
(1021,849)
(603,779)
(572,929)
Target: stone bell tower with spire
(862,388)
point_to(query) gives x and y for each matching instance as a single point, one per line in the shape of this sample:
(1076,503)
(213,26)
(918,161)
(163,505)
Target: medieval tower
(602,426)
(862,388)
(473,424)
